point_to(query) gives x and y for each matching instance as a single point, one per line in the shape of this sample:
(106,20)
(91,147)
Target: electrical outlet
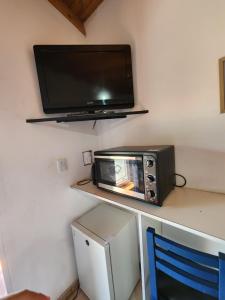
(87,157)
(61,165)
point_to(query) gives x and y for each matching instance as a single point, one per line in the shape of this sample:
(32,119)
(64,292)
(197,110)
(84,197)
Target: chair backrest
(200,271)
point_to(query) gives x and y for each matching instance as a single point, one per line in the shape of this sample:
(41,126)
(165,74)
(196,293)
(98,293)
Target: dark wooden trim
(222,82)
(68,13)
(90,9)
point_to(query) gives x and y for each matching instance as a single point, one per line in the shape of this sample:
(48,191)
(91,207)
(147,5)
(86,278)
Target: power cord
(87,179)
(84,181)
(185,180)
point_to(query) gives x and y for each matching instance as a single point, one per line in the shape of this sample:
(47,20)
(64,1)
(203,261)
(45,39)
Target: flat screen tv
(76,78)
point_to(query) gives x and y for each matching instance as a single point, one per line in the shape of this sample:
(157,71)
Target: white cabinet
(106,250)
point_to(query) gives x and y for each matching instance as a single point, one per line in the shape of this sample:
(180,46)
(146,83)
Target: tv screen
(84,77)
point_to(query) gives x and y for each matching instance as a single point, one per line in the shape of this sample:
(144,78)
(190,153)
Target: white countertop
(192,210)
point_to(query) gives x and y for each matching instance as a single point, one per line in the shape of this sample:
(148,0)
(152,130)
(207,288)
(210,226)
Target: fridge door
(93,264)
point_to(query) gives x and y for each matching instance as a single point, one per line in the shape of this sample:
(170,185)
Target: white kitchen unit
(106,250)
(185,217)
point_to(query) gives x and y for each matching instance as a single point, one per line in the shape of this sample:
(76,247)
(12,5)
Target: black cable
(84,181)
(185,181)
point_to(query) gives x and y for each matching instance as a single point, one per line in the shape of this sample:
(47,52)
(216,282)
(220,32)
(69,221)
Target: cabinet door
(94,270)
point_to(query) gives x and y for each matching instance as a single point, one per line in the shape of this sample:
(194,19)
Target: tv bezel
(77,48)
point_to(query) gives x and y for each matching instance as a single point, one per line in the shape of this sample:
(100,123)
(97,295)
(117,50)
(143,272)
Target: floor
(135,296)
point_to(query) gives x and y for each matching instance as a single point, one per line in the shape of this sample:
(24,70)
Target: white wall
(176,47)
(36,203)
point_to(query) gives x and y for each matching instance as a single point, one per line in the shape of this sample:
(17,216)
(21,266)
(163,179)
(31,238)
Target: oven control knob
(151,178)
(151,194)
(149,163)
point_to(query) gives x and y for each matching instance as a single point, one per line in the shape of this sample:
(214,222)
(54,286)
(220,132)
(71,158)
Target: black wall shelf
(88,117)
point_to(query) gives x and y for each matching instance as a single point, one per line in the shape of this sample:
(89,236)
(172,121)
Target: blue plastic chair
(192,272)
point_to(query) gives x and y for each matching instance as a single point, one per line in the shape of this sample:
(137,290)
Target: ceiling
(76,11)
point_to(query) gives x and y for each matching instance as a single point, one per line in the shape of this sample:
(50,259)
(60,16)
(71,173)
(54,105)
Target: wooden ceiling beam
(76,11)
(89,9)
(77,6)
(68,13)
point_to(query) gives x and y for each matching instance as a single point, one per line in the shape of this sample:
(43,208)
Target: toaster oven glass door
(121,174)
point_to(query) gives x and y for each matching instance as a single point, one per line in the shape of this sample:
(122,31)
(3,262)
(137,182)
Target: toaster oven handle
(119,157)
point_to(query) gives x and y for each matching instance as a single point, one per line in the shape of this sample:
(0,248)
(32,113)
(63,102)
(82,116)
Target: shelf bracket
(94,124)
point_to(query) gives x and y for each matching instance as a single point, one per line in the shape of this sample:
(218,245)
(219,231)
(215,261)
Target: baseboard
(70,292)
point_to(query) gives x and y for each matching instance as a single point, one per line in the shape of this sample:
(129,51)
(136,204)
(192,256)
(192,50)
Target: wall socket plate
(62,165)
(87,157)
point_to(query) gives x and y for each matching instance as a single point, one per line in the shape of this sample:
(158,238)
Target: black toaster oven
(146,173)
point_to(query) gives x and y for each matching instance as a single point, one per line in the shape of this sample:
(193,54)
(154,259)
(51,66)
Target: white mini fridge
(106,250)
